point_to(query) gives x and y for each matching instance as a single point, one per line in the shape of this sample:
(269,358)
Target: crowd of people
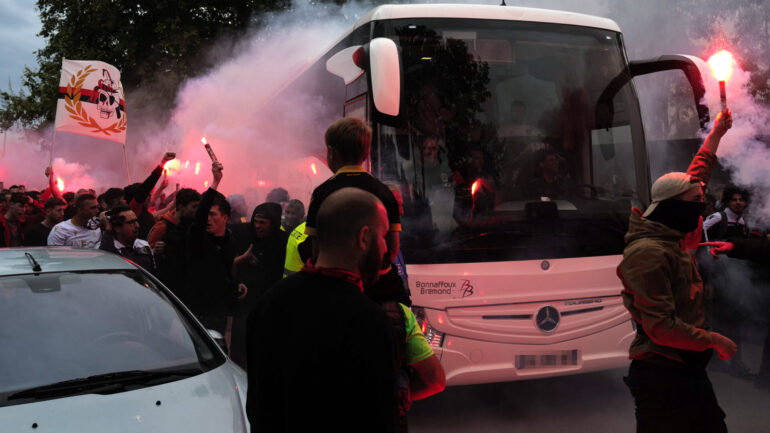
(332,280)
(335,279)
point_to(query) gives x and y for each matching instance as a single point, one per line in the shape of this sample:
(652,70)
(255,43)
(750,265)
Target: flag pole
(125,158)
(53,143)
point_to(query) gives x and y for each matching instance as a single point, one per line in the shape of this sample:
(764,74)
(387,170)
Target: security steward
(293,262)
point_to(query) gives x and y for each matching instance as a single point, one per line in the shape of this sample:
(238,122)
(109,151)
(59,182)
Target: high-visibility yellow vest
(293,263)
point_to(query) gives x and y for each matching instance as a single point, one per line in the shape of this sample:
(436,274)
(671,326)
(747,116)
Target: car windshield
(62,326)
(502,156)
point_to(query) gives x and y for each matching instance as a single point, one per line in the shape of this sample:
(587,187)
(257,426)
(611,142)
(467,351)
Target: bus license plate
(560,358)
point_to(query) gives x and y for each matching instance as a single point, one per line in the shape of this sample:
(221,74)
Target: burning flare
(197,168)
(59,183)
(312,167)
(475,187)
(721,65)
(171,167)
(203,140)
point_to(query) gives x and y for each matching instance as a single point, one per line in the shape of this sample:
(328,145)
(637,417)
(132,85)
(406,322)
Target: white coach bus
(516,138)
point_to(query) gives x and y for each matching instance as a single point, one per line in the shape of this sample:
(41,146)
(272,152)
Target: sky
(19,25)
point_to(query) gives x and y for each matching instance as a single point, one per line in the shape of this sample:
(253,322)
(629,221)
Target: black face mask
(678,214)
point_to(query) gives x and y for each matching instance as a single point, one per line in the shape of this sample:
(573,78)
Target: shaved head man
(344,334)
(352,227)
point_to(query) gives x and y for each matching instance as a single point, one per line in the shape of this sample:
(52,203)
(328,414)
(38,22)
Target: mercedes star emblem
(547,318)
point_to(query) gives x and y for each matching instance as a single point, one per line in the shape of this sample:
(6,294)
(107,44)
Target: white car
(89,342)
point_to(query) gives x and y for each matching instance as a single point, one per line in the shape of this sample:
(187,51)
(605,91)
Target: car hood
(210,402)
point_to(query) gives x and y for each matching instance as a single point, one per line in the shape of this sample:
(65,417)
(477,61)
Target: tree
(156,44)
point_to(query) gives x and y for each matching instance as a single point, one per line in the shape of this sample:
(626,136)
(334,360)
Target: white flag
(91,100)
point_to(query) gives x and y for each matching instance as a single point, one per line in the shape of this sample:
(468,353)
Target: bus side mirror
(381,60)
(385,76)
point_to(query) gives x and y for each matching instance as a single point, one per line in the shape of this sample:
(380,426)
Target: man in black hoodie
(211,290)
(259,266)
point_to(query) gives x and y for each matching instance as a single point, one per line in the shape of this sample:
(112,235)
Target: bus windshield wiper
(107,383)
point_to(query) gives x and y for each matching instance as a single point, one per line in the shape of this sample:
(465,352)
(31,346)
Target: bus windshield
(500,157)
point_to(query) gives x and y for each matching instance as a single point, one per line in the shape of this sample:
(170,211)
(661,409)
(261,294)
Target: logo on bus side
(442,287)
(435,287)
(467,288)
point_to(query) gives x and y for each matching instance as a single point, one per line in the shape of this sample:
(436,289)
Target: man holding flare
(664,294)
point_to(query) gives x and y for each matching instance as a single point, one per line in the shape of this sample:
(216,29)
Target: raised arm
(702,165)
(157,191)
(198,229)
(145,188)
(52,190)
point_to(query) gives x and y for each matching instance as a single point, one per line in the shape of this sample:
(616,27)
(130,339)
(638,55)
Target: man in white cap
(664,294)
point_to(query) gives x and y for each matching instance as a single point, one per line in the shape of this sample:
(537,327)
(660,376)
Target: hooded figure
(664,293)
(263,247)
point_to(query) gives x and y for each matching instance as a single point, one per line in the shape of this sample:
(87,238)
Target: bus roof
(512,13)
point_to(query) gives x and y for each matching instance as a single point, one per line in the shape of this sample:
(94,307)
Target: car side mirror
(219,339)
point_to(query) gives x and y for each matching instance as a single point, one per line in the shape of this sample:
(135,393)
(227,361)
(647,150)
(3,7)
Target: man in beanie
(664,294)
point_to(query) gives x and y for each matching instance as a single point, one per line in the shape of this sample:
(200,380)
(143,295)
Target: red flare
(721,65)
(59,183)
(171,167)
(475,187)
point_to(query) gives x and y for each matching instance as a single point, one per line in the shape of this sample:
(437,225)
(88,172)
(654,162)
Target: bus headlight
(435,337)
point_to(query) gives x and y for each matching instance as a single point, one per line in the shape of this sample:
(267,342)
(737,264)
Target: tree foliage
(155,43)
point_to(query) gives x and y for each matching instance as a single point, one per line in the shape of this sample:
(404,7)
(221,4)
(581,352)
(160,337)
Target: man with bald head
(319,349)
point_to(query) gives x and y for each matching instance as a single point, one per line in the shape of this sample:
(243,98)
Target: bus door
(671,93)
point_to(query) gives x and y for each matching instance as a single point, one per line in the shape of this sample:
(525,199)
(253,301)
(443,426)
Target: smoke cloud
(262,142)
(263,145)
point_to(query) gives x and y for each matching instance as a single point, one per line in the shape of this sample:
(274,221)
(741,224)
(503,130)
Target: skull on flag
(107,97)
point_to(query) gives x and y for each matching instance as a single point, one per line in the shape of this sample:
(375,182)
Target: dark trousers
(764,368)
(675,399)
